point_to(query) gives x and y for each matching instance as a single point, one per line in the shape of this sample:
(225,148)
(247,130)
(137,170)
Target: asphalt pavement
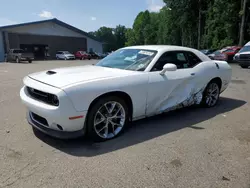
(192,147)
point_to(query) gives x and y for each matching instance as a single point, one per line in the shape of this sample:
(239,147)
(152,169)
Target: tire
(30,61)
(244,66)
(211,94)
(98,112)
(17,60)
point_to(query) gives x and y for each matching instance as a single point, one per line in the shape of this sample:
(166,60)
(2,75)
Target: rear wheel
(211,94)
(107,118)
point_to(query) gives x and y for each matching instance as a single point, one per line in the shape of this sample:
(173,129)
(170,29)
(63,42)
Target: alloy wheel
(109,120)
(212,94)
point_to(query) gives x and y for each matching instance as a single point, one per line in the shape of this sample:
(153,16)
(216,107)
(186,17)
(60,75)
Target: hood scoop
(50,72)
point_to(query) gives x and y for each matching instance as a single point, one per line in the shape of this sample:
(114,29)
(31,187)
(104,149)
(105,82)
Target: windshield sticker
(146,53)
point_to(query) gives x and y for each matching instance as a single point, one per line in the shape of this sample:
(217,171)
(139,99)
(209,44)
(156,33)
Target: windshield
(82,52)
(66,52)
(128,59)
(245,49)
(217,52)
(18,51)
(204,51)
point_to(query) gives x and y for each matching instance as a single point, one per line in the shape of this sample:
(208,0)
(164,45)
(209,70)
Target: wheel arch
(121,94)
(217,80)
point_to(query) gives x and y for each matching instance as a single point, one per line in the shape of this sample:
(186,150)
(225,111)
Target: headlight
(54,100)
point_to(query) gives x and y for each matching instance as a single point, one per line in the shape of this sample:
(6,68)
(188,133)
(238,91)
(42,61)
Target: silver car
(64,55)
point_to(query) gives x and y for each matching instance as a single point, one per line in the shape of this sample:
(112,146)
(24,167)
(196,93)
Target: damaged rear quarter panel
(179,88)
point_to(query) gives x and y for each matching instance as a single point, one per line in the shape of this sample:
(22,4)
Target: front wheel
(211,94)
(17,60)
(107,118)
(30,61)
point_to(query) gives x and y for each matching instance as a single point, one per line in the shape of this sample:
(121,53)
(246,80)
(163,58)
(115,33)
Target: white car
(99,100)
(64,55)
(243,56)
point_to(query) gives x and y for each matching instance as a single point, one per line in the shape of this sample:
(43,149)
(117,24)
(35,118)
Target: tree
(105,34)
(242,32)
(120,36)
(130,37)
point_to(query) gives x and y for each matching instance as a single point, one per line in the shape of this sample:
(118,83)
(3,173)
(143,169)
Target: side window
(192,59)
(175,57)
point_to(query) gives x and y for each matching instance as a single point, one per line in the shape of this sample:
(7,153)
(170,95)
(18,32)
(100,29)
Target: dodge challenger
(130,84)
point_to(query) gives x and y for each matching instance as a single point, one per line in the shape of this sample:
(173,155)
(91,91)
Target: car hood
(241,53)
(63,77)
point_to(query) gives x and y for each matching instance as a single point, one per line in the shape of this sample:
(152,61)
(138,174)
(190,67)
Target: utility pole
(242,26)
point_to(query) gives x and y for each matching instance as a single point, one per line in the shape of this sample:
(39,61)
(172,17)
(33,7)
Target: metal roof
(56,21)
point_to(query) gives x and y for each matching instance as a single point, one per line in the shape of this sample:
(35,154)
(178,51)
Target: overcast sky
(87,15)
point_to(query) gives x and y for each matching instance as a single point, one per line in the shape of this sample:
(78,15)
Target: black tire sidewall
(244,67)
(205,93)
(91,133)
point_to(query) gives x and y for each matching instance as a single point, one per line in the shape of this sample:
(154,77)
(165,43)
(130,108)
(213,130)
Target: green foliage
(178,22)
(112,38)
(193,23)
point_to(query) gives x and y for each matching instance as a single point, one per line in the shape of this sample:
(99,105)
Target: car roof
(160,47)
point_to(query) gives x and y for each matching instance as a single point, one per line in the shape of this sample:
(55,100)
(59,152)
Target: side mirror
(168,67)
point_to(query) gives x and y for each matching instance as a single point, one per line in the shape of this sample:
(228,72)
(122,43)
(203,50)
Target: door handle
(192,74)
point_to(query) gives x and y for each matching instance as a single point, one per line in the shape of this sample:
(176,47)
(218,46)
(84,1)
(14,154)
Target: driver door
(174,89)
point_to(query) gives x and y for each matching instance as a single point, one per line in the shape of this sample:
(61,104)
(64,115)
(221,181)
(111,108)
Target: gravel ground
(193,147)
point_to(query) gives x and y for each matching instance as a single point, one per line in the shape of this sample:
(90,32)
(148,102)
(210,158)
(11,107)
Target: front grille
(244,57)
(43,96)
(39,119)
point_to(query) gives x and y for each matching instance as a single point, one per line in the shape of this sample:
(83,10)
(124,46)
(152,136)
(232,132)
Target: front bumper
(243,62)
(54,115)
(27,58)
(54,133)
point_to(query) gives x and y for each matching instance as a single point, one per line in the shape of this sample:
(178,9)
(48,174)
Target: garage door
(55,43)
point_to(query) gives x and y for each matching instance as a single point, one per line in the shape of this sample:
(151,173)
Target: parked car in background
(215,55)
(243,56)
(102,55)
(94,55)
(64,55)
(19,55)
(230,52)
(208,51)
(100,100)
(225,54)
(82,55)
